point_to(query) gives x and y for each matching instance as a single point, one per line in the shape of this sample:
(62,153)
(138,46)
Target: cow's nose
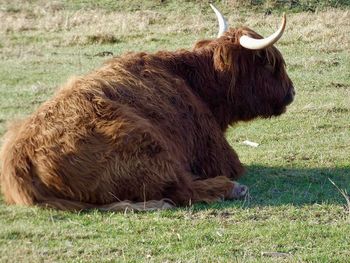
(288,99)
(293,91)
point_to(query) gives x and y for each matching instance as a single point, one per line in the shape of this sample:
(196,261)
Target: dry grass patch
(320,30)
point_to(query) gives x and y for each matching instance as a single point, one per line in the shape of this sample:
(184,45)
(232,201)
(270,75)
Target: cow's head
(252,70)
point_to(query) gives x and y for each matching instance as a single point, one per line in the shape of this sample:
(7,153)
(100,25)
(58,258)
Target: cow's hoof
(239,191)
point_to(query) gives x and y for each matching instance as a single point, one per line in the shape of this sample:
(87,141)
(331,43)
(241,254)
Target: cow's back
(71,145)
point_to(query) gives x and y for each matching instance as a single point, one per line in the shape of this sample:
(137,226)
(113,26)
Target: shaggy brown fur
(145,127)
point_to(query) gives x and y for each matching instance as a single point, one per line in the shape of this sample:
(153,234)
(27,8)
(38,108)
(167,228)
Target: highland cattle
(146,130)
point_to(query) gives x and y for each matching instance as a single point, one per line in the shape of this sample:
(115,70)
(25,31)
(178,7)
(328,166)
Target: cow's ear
(223,57)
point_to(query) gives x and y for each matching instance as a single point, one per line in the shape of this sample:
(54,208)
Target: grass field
(294,213)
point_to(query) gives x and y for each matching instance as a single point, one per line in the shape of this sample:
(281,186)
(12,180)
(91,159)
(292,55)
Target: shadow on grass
(277,186)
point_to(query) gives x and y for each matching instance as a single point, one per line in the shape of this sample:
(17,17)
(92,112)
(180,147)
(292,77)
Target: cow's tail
(121,206)
(20,185)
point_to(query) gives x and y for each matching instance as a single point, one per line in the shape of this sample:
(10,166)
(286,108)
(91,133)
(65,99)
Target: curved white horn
(222,21)
(256,44)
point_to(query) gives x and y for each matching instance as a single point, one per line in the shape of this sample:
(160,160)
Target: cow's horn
(256,44)
(222,21)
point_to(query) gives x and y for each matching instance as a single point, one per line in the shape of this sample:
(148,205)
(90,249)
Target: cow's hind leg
(146,166)
(216,189)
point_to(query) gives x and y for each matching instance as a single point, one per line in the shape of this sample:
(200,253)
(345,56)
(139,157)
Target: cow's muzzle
(288,99)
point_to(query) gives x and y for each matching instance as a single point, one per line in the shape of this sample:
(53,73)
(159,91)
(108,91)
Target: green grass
(228,233)
(293,207)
